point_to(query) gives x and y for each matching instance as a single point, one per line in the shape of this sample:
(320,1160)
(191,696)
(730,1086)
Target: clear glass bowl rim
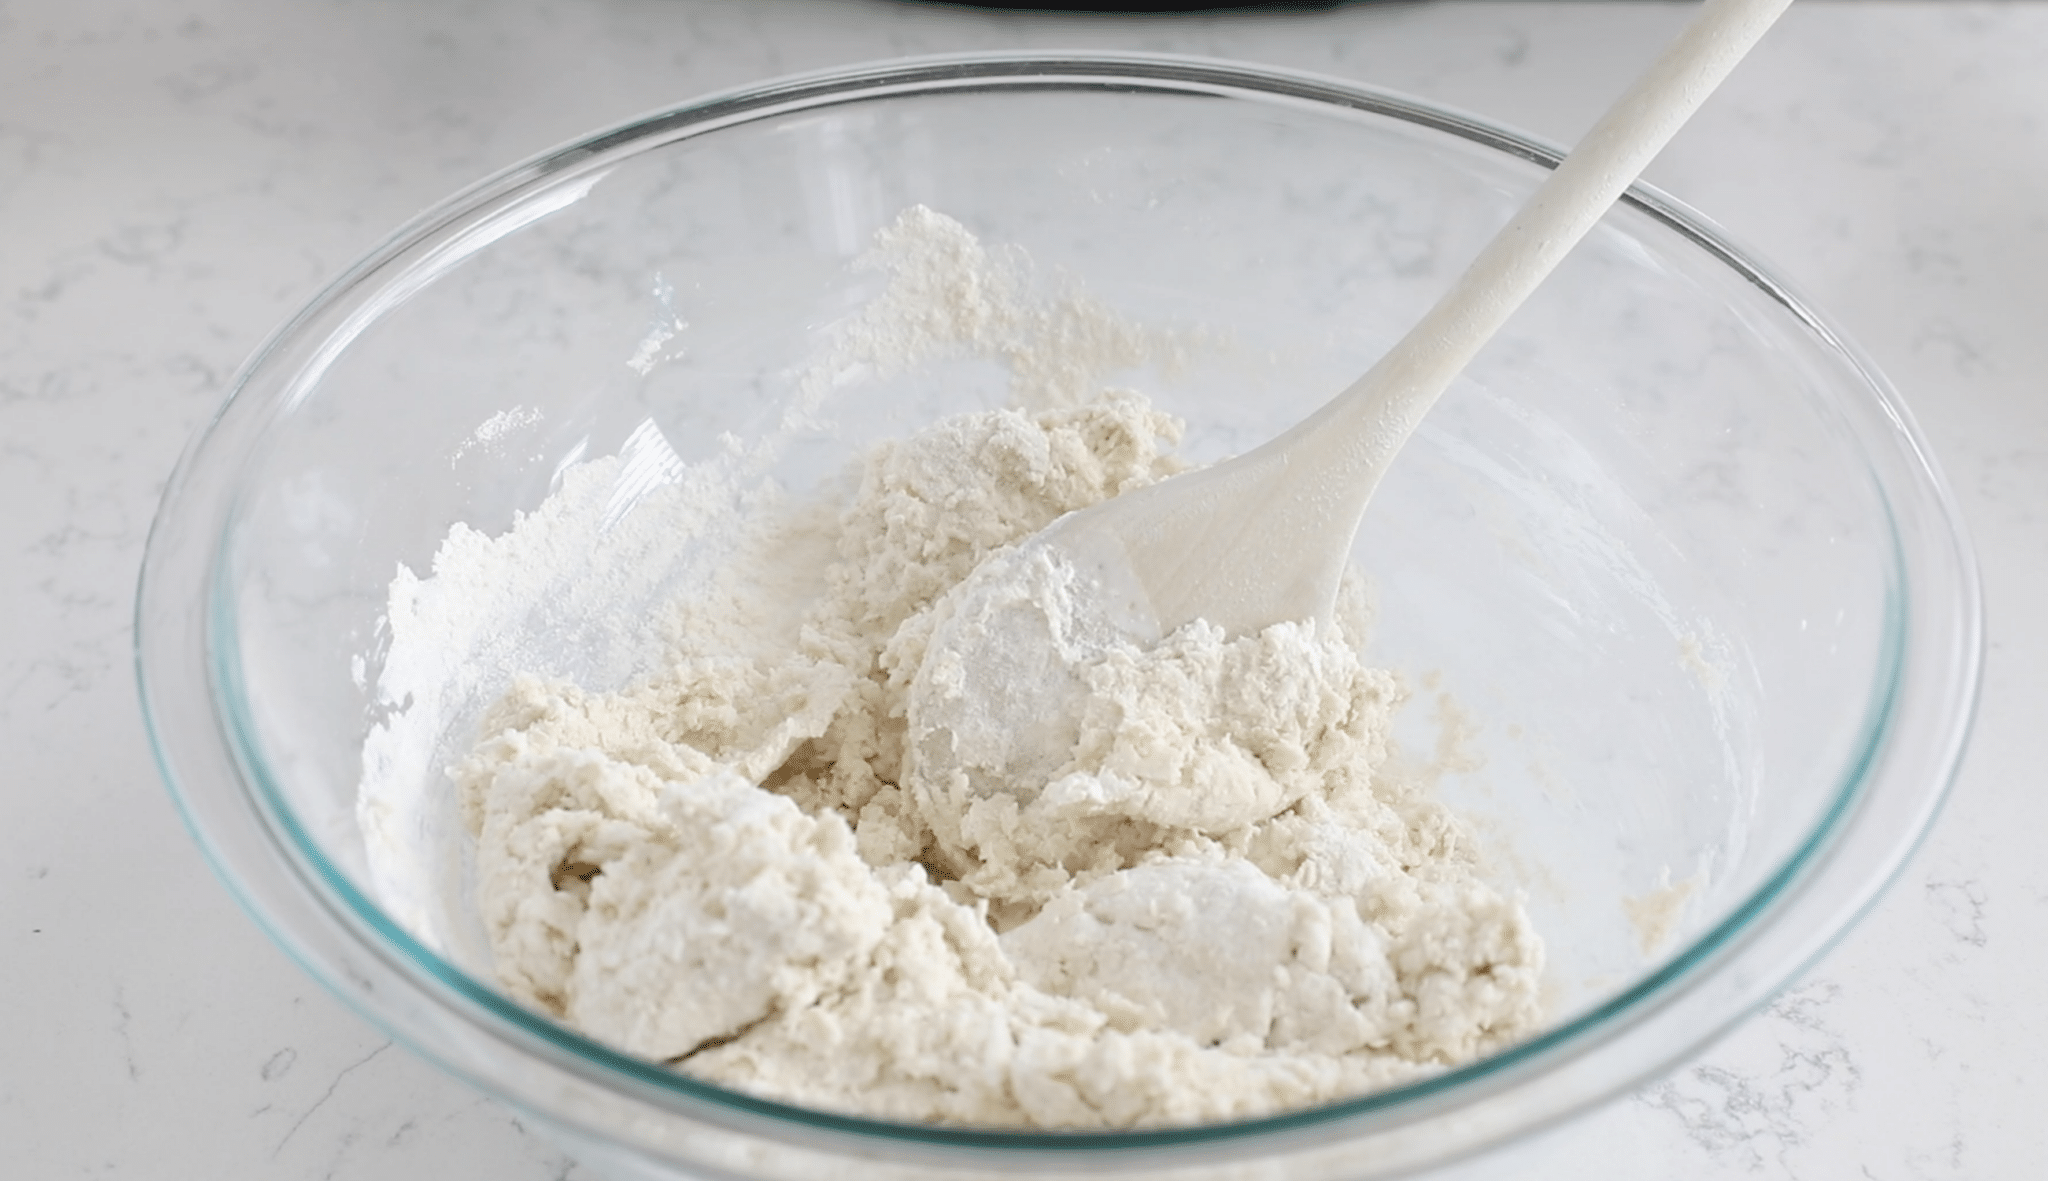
(204,478)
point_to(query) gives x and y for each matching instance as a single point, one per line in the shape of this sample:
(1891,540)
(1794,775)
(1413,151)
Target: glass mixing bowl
(1670,559)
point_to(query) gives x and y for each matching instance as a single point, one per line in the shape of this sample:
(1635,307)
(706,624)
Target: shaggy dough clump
(1215,905)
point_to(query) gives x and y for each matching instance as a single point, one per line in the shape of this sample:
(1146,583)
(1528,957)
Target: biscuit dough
(1216,903)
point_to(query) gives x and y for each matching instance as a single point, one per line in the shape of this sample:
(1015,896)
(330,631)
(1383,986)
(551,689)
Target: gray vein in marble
(278,1065)
(1751,1116)
(1960,907)
(332,1086)
(122,1020)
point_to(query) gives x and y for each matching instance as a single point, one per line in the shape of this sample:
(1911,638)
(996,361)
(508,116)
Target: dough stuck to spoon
(1263,538)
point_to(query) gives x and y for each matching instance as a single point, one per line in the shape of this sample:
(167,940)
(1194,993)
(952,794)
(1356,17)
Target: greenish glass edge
(358,908)
(331,885)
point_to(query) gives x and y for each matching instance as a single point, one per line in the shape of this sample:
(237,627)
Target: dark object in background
(1131,6)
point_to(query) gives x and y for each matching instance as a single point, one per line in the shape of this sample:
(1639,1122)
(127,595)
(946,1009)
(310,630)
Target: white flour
(1207,904)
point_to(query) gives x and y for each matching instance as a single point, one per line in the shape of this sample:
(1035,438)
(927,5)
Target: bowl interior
(1642,578)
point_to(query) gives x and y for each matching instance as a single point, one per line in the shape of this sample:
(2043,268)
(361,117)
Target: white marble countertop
(178,175)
